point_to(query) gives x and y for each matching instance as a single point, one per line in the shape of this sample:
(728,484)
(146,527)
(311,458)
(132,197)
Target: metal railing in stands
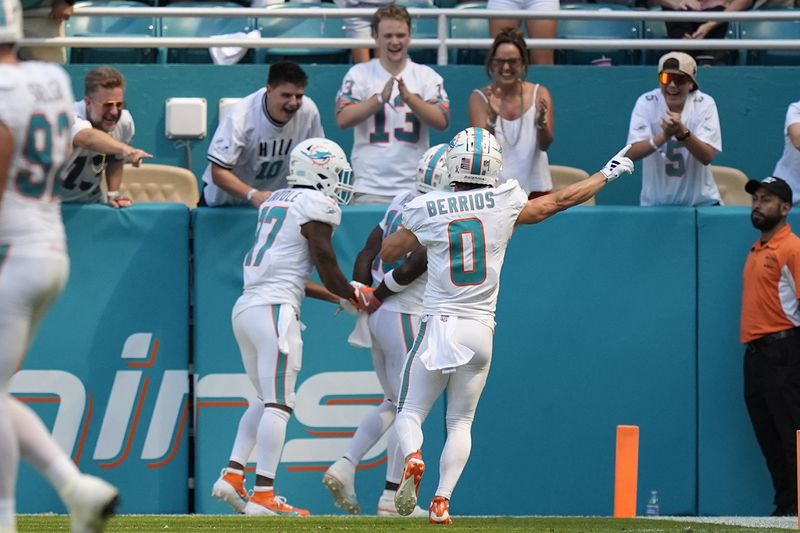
(443,42)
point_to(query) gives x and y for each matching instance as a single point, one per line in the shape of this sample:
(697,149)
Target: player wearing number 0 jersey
(35,120)
(293,234)
(466,233)
(676,129)
(389,332)
(249,153)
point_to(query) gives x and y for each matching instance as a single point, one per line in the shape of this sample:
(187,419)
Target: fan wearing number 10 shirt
(466,233)
(392,103)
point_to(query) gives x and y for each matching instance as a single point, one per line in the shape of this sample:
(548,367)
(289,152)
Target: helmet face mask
(10,21)
(432,170)
(474,156)
(322,165)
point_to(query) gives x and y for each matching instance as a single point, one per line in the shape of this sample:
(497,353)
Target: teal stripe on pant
(409,361)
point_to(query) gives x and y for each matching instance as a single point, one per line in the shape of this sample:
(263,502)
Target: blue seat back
(598,29)
(84,26)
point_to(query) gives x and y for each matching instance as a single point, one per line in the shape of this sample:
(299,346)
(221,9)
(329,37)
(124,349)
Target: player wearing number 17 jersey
(466,233)
(392,103)
(293,235)
(35,121)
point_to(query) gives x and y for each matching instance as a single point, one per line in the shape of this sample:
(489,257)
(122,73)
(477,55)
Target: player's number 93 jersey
(278,265)
(36,106)
(466,234)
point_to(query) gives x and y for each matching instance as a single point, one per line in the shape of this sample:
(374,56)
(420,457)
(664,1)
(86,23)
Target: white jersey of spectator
(255,148)
(671,175)
(788,166)
(36,105)
(410,299)
(87,168)
(277,267)
(388,144)
(466,234)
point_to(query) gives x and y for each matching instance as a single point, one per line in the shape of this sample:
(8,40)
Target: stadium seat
(78,26)
(308,27)
(771,29)
(189,26)
(160,183)
(598,29)
(563,176)
(469,28)
(730,182)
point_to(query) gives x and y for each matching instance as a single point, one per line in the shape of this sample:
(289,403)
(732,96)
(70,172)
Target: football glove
(617,165)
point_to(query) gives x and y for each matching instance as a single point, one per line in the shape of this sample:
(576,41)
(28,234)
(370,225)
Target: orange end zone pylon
(627,472)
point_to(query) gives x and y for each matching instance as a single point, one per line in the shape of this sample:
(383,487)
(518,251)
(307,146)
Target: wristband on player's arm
(392,284)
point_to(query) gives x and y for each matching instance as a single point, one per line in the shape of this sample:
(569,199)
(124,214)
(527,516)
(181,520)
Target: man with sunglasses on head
(675,128)
(103,128)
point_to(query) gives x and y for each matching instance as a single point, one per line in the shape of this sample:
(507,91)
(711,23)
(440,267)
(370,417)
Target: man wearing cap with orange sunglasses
(675,128)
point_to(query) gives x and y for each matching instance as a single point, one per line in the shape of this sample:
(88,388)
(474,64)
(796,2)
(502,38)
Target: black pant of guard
(772,395)
(676,29)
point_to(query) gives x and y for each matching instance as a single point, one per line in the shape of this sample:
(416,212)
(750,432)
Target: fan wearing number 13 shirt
(466,233)
(675,128)
(392,103)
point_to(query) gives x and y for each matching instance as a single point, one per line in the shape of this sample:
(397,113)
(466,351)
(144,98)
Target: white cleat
(386,507)
(340,480)
(229,488)
(91,501)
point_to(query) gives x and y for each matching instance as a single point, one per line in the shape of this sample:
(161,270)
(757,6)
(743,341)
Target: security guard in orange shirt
(771,330)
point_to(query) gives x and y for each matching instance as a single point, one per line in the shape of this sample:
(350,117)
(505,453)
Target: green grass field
(332,524)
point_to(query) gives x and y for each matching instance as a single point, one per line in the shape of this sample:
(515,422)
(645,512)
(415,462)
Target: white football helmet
(474,156)
(432,170)
(10,21)
(321,164)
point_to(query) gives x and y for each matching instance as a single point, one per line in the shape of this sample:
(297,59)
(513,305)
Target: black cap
(776,186)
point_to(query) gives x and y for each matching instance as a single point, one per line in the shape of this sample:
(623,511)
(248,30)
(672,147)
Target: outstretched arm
(100,141)
(413,267)
(398,244)
(362,269)
(315,290)
(6,153)
(319,236)
(544,207)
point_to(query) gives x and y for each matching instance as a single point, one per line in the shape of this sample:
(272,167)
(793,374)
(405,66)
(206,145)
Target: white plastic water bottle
(653,505)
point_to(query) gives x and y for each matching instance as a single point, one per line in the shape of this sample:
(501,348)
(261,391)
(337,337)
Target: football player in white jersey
(675,128)
(466,233)
(293,235)
(35,121)
(392,103)
(392,329)
(249,154)
(103,107)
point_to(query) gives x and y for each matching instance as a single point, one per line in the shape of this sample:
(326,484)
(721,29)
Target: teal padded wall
(595,328)
(334,389)
(109,367)
(592,107)
(732,476)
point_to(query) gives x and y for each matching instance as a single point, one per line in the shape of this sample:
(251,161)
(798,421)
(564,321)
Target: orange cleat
(405,499)
(266,502)
(439,512)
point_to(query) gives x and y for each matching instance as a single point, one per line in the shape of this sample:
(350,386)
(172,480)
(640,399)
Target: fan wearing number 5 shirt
(466,233)
(675,128)
(392,103)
